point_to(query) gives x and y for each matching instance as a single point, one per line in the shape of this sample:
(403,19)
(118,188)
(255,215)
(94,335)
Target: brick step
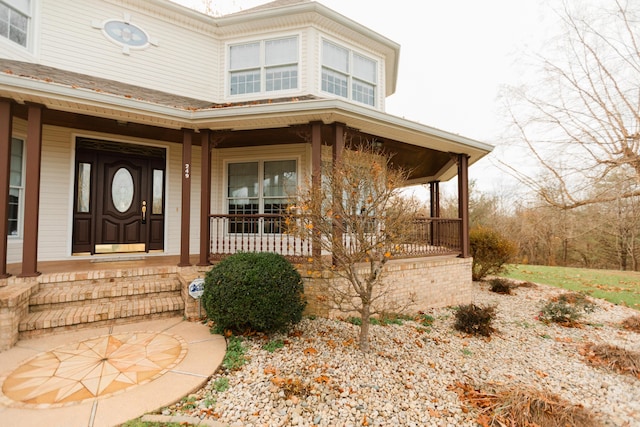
(75,294)
(97,314)
(99,324)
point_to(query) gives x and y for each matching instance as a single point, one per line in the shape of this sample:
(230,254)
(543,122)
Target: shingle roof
(76,80)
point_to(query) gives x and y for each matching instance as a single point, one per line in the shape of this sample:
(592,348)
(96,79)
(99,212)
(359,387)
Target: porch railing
(231,233)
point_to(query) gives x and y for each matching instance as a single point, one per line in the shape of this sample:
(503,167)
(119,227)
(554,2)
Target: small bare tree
(360,222)
(581,122)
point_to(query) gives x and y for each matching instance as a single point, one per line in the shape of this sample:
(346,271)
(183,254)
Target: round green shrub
(254,291)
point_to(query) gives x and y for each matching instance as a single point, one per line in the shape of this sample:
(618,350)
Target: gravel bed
(320,378)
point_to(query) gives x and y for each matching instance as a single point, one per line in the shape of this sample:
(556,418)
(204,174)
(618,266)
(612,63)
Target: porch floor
(128,370)
(98,263)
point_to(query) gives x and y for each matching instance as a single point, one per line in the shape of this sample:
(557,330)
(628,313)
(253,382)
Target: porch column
(185,223)
(316,179)
(463,204)
(338,148)
(205,198)
(434,201)
(5,166)
(434,191)
(32,191)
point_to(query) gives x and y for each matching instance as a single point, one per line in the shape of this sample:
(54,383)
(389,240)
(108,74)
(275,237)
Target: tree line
(597,235)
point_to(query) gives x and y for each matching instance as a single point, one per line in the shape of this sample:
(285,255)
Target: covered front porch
(220,230)
(76,142)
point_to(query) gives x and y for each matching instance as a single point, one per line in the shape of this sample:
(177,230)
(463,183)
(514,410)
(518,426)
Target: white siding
(55,194)
(194,231)
(184,61)
(174,200)
(190,57)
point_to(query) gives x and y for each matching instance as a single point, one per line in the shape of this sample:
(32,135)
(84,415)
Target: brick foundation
(131,294)
(193,310)
(14,306)
(411,285)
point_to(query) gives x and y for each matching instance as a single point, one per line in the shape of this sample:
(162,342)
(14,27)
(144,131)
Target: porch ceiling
(113,107)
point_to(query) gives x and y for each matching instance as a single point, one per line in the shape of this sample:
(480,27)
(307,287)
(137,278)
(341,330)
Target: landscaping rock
(409,375)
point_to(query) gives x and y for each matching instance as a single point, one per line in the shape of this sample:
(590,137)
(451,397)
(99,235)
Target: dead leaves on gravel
(612,357)
(520,406)
(632,323)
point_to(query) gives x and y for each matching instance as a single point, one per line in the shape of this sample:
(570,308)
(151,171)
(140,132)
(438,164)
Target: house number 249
(187,167)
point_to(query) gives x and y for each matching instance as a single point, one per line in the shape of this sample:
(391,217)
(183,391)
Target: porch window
(348,74)
(16,188)
(273,61)
(263,187)
(14,20)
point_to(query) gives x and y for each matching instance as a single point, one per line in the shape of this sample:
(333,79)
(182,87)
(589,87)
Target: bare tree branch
(582,122)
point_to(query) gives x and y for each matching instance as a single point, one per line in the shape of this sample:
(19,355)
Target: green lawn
(618,287)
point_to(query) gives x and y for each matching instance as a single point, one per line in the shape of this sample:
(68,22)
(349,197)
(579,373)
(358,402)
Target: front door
(122,205)
(119,198)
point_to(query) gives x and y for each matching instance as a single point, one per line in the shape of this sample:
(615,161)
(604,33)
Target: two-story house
(141,130)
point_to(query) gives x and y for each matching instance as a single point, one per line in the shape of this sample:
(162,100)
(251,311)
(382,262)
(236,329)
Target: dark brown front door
(119,198)
(122,205)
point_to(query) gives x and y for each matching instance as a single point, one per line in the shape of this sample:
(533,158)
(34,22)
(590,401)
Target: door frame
(88,150)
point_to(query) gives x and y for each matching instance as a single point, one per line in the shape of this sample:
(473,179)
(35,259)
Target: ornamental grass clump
(632,323)
(475,320)
(259,292)
(613,357)
(523,406)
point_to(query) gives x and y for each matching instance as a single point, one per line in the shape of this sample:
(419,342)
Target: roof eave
(77,100)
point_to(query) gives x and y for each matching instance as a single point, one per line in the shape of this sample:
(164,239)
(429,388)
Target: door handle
(144,211)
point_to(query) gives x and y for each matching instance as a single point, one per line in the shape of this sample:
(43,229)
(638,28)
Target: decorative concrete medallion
(94,368)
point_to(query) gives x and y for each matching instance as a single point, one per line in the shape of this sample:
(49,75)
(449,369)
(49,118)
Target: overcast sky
(455,56)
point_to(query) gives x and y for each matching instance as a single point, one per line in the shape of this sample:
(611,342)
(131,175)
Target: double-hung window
(16,180)
(14,20)
(263,66)
(348,74)
(263,187)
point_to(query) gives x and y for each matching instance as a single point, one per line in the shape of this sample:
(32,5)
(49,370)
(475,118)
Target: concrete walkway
(105,376)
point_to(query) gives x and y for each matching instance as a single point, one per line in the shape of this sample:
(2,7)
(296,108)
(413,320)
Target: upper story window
(14,20)
(263,66)
(348,74)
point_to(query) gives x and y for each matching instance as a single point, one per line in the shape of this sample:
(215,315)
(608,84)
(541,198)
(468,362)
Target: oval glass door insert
(122,190)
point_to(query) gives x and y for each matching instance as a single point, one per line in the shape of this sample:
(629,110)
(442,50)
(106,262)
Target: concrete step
(101,313)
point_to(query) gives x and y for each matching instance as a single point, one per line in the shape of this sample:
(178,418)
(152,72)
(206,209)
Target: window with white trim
(348,74)
(14,20)
(261,187)
(274,62)
(16,189)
